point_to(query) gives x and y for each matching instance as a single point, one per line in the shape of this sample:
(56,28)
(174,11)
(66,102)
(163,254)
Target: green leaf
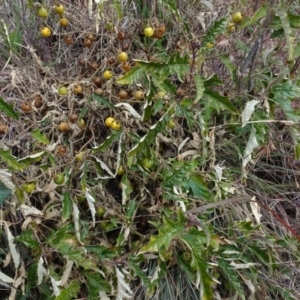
(102,252)
(207,283)
(131,210)
(198,187)
(68,245)
(150,136)
(285,91)
(261,254)
(158,106)
(287,31)
(297,151)
(118,8)
(229,65)
(95,283)
(286,294)
(168,231)
(185,108)
(115,136)
(67,206)
(294,20)
(232,277)
(32,275)
(140,274)
(216,99)
(261,13)
(171,5)
(8,109)
(178,173)
(196,242)
(219,27)
(212,81)
(102,101)
(15,40)
(297,50)
(79,257)
(11,161)
(282,94)
(186,267)
(28,239)
(147,110)
(199,87)
(37,135)
(136,74)
(4,193)
(176,65)
(165,85)
(70,292)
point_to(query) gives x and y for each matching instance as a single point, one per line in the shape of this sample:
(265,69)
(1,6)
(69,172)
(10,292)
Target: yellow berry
(148,31)
(237,18)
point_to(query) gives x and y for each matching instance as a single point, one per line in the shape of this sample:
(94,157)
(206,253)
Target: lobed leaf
(134,75)
(8,109)
(216,99)
(219,27)
(167,233)
(11,161)
(70,292)
(41,138)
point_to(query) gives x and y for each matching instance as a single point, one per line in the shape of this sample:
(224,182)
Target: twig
(203,208)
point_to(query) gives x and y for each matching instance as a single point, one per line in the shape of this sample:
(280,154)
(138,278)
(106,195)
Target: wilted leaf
(91,202)
(124,291)
(130,109)
(252,144)
(248,111)
(126,189)
(12,246)
(76,221)
(5,178)
(41,271)
(30,210)
(5,278)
